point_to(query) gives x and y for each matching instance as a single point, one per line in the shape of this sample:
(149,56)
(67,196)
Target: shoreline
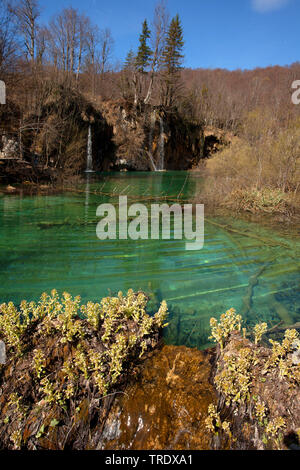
(260,216)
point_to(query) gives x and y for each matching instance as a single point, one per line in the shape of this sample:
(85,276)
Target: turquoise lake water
(50,242)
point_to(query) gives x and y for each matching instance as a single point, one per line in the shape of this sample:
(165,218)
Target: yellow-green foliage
(51,392)
(65,316)
(274,426)
(242,367)
(92,312)
(16,439)
(229,322)
(280,350)
(14,400)
(235,379)
(214,423)
(260,411)
(279,357)
(120,324)
(259,330)
(132,306)
(39,362)
(13,323)
(81,362)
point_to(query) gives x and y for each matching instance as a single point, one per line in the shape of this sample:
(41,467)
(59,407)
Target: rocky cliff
(54,136)
(152,138)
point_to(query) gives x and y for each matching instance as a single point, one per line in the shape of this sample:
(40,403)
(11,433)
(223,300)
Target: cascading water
(161,145)
(89,164)
(153,120)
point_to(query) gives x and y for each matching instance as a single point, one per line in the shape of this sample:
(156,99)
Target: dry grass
(260,171)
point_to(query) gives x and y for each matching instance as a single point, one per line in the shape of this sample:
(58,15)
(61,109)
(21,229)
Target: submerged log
(247,299)
(282,312)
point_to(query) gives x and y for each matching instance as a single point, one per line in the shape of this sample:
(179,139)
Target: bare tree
(41,44)
(91,59)
(8,43)
(84,28)
(72,32)
(27,13)
(71,38)
(92,44)
(106,44)
(57,43)
(160,27)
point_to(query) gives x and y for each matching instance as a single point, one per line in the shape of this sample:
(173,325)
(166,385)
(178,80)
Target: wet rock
(166,407)
(150,138)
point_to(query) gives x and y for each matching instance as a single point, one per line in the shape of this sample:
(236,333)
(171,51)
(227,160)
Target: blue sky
(218,33)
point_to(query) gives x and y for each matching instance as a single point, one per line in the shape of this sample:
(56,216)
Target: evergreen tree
(144,52)
(129,77)
(130,61)
(172,61)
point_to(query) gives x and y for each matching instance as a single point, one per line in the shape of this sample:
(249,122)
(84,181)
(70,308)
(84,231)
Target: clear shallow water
(50,242)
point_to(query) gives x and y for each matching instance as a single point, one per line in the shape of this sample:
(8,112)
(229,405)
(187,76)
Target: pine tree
(129,78)
(144,51)
(130,61)
(172,61)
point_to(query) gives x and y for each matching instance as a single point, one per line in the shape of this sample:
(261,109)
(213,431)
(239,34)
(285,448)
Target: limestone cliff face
(152,139)
(123,138)
(54,136)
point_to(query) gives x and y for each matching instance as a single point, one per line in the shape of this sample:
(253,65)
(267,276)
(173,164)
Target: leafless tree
(106,44)
(8,42)
(84,28)
(159,28)
(27,13)
(71,38)
(41,44)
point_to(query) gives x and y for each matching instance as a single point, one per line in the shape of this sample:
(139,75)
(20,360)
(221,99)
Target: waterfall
(89,163)
(152,161)
(161,145)
(153,120)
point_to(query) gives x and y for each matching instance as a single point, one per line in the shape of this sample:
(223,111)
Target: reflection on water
(50,242)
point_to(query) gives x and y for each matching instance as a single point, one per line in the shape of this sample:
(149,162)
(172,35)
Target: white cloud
(263,6)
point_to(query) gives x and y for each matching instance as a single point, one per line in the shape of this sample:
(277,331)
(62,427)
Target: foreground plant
(229,322)
(248,377)
(61,352)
